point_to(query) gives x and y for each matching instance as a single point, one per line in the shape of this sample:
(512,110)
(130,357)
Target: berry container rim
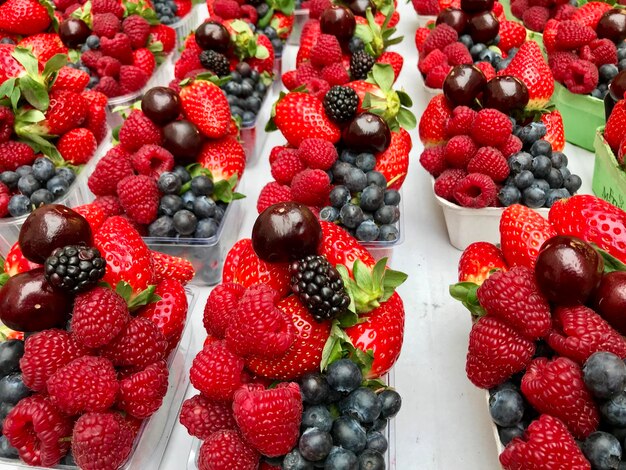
(381,248)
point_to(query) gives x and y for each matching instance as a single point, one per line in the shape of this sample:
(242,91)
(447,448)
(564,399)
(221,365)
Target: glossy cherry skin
(338,21)
(453,17)
(367,132)
(476,6)
(505,94)
(286,231)
(610,300)
(483,27)
(568,270)
(182,139)
(161,105)
(612,25)
(359,7)
(463,85)
(214,36)
(73,32)
(617,87)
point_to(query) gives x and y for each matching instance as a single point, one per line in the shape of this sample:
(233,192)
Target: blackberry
(319,286)
(341,103)
(215,62)
(74,268)
(360,65)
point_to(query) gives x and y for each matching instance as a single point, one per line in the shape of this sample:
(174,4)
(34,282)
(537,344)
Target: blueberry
(622,64)
(524,179)
(510,433)
(371,459)
(232,88)
(555,195)
(466,40)
(509,195)
(11,351)
(614,410)
(372,197)
(541,166)
(5,409)
(219,213)
(182,173)
(349,434)
(379,425)
(260,87)
(555,179)
(597,93)
(315,444)
(604,374)
(506,407)
(476,49)
(329,214)
(236,111)
(377,178)
(565,171)
(487,55)
(162,227)
(270,32)
(534,197)
(248,119)
(12,388)
(348,156)
(41,197)
(314,388)
(356,44)
(57,186)
(385,215)
(365,161)
(7,41)
(235,77)
(28,184)
(392,197)
(367,231)
(169,183)
(558,160)
(608,72)
(19,205)
(340,171)
(541,184)
(621,54)
(6,450)
(170,204)
(246,89)
(572,183)
(391,402)
(67,174)
(344,376)
(278,46)
(341,459)
(185,222)
(503,63)
(339,196)
(541,147)
(355,180)
(603,451)
(253,103)
(294,460)
(202,185)
(377,441)
(388,233)
(204,207)
(206,228)
(93,41)
(531,133)
(362,404)
(10,179)
(351,215)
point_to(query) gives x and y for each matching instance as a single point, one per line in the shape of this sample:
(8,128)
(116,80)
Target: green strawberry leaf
(261,52)
(32,116)
(348,319)
(364,33)
(611,263)
(264,21)
(378,385)
(145,297)
(406,119)
(6,89)
(34,92)
(383,76)
(405,99)
(124,290)
(466,293)
(3,279)
(54,64)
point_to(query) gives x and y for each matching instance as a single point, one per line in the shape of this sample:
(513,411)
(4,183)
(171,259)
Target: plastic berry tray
(390,457)
(154,434)
(301,16)
(253,137)
(609,179)
(186,26)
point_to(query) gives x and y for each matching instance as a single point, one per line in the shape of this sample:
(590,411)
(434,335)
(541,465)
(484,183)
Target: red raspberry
(603,51)
(511,146)
(437,75)
(132,78)
(105,25)
(335,74)
(7,119)
(269,419)
(581,77)
(102,440)
(118,47)
(14,154)
(108,67)
(139,196)
(45,353)
(140,344)
(572,35)
(110,205)
(431,60)
(578,332)
(77,146)
(457,54)
(152,160)
(546,444)
(188,61)
(317,87)
(305,73)
(142,393)
(5,197)
(273,193)
(227,9)
(487,69)
(461,121)
(447,181)
(317,153)
(459,151)
(496,351)
(556,387)
(226,449)
(289,79)
(37,430)
(85,384)
(559,62)
(137,29)
(420,36)
(564,12)
(518,7)
(535,18)
(221,306)
(326,51)
(98,317)
(90,58)
(286,167)
(138,131)
(476,191)
(249,13)
(203,417)
(310,187)
(108,86)
(107,6)
(316,7)
(489,161)
(433,160)
(491,127)
(216,372)
(279,151)
(440,37)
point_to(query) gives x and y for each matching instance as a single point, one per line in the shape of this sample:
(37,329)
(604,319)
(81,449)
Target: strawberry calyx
(466,293)
(4,277)
(223,190)
(339,346)
(143,298)
(377,38)
(284,6)
(48,5)
(143,9)
(245,42)
(84,13)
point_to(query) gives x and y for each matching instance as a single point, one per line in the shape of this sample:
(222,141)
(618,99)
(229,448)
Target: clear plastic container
(186,26)
(422,20)
(278,72)
(390,457)
(384,249)
(154,434)
(253,138)
(301,16)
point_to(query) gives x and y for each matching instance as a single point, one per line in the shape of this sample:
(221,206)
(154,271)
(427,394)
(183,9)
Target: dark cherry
(73,32)
(338,21)
(617,87)
(161,105)
(505,94)
(476,6)
(610,300)
(286,231)
(463,85)
(612,25)
(49,227)
(182,139)
(214,36)
(483,27)
(568,270)
(29,303)
(359,7)
(367,132)
(454,18)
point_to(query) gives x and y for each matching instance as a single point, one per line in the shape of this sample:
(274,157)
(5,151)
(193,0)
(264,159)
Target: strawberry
(25,17)
(170,312)
(555,133)
(165,35)
(9,67)
(16,263)
(432,125)
(282,24)
(478,261)
(94,214)
(300,115)
(67,111)
(144,59)
(549,35)
(171,267)
(393,163)
(310,32)
(589,14)
(224,157)
(616,126)
(265,64)
(394,59)
(339,247)
(205,105)
(522,233)
(44,46)
(183,7)
(530,66)
(77,146)
(512,35)
(69,78)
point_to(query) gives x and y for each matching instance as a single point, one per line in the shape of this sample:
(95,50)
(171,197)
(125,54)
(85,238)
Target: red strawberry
(339,247)
(310,32)
(266,64)
(589,14)
(14,154)
(432,125)
(204,104)
(67,111)
(16,263)
(282,24)
(24,17)
(183,7)
(216,372)
(171,267)
(164,34)
(394,59)
(77,146)
(9,67)
(522,232)
(144,59)
(170,312)
(71,79)
(478,260)
(512,35)
(555,133)
(224,157)
(44,46)
(226,449)
(393,163)
(616,125)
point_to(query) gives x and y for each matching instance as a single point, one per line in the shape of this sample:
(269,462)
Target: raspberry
(426,7)
(461,121)
(511,146)
(227,9)
(535,18)
(5,197)
(317,87)
(105,25)
(140,344)
(37,430)
(14,154)
(85,384)
(305,73)
(279,151)
(572,35)
(108,67)
(457,54)
(203,417)
(226,449)
(496,351)
(221,306)
(489,161)
(447,181)
(433,160)
(420,36)
(564,12)
(440,37)
(98,317)
(7,119)
(518,7)
(110,205)
(556,387)
(273,193)
(581,77)
(90,58)
(132,79)
(216,372)
(310,187)
(437,76)
(138,131)
(326,51)
(475,190)
(137,29)
(603,51)
(317,153)
(77,146)
(578,332)
(491,127)
(431,60)
(559,62)
(142,393)
(459,151)
(45,353)
(102,440)
(118,47)
(259,327)
(139,196)
(107,6)
(286,167)
(152,160)
(108,86)
(249,13)
(335,74)
(188,61)
(289,79)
